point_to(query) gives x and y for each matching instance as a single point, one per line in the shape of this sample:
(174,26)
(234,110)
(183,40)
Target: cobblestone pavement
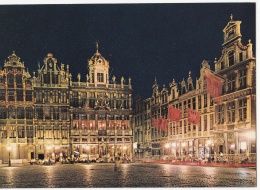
(130,175)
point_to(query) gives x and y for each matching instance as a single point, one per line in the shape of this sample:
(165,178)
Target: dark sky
(141,41)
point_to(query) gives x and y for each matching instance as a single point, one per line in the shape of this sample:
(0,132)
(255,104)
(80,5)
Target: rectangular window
(47,97)
(180,128)
(40,132)
(194,103)
(55,113)
(55,97)
(100,77)
(21,132)
(20,113)
(240,56)
(3,112)
(194,127)
(75,99)
(199,102)
(231,82)
(222,65)
(242,78)
(231,112)
(10,95)
(205,123)
(13,132)
(28,95)
(185,127)
(221,114)
(19,94)
(63,97)
(173,131)
(64,133)
(48,132)
(56,132)
(2,95)
(242,109)
(211,122)
(29,113)
(39,112)
(64,113)
(29,131)
(205,100)
(38,97)
(231,60)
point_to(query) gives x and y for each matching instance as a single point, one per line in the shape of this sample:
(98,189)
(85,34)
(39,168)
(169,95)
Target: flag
(173,113)
(214,84)
(193,116)
(164,124)
(155,122)
(160,123)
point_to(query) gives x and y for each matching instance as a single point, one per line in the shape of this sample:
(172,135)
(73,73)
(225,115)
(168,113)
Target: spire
(231,17)
(97,46)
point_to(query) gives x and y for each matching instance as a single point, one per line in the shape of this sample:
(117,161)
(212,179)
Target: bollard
(117,163)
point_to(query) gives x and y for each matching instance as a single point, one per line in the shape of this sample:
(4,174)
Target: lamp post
(9,159)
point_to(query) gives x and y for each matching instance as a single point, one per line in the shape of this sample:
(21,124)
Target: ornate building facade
(227,123)
(50,116)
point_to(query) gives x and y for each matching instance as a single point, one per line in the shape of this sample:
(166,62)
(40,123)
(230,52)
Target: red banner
(214,84)
(193,116)
(164,124)
(173,113)
(155,122)
(160,123)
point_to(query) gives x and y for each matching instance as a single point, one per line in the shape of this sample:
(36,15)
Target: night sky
(141,41)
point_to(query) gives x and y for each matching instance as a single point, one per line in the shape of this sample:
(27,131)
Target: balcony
(93,132)
(110,132)
(128,132)
(102,132)
(12,140)
(21,140)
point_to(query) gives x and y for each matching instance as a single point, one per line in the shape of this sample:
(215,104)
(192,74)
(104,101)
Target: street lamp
(9,160)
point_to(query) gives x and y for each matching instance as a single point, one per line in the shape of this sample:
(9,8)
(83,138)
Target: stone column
(249,74)
(225,112)
(248,109)
(225,144)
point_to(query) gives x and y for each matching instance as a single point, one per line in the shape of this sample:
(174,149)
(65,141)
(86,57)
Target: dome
(49,55)
(98,59)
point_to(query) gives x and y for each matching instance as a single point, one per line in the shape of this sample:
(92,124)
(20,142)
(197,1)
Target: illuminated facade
(50,116)
(227,124)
